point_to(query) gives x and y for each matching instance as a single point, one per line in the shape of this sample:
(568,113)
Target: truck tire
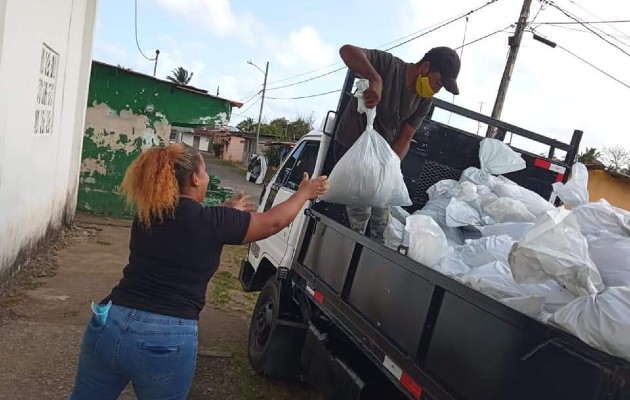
(263,324)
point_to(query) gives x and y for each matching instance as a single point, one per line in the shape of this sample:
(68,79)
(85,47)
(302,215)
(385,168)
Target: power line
(459,16)
(627,37)
(338,90)
(305,97)
(251,97)
(248,108)
(586,62)
(618,21)
(136,32)
(600,19)
(440,26)
(554,5)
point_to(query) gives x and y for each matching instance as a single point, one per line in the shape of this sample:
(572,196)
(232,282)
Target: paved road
(232,176)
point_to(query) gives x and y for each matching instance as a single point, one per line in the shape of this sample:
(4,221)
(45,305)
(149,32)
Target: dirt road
(42,318)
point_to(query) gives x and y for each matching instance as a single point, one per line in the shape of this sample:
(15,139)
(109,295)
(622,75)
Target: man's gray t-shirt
(399,104)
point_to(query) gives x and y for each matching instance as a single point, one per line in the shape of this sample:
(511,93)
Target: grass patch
(223,282)
(254,387)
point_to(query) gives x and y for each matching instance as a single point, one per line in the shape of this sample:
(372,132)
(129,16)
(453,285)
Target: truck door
(302,159)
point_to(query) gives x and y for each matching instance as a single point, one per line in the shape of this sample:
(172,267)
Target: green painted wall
(128,112)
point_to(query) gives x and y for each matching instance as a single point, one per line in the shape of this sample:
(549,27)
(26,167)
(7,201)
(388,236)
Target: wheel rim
(263,323)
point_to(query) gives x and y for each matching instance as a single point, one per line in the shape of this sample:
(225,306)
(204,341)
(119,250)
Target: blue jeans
(156,353)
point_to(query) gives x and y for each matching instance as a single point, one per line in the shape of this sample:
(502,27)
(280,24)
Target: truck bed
(453,341)
(431,334)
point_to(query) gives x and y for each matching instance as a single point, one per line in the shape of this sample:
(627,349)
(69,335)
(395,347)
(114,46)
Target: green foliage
(280,128)
(180,75)
(590,156)
(217,149)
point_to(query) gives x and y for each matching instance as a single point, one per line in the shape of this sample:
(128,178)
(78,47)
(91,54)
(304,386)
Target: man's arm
(403,141)
(356,59)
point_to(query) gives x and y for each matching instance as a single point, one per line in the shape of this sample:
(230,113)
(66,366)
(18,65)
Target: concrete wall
(42,110)
(234,149)
(204,141)
(127,113)
(615,190)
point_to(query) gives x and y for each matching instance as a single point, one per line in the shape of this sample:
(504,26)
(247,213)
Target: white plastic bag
(532,200)
(505,209)
(529,305)
(498,158)
(495,280)
(425,239)
(436,209)
(602,320)
(394,232)
(555,249)
(480,252)
(446,188)
(460,213)
(479,177)
(515,230)
(575,191)
(601,216)
(611,255)
(369,173)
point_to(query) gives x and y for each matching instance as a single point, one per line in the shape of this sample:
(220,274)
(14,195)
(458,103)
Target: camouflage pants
(377,217)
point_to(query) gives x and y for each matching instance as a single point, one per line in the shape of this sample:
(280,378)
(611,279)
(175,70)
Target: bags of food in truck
(505,209)
(460,213)
(479,177)
(601,216)
(515,230)
(394,232)
(369,173)
(425,240)
(575,191)
(498,158)
(436,209)
(600,320)
(611,254)
(533,201)
(555,249)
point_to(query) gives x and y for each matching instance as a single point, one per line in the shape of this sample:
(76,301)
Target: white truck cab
(265,256)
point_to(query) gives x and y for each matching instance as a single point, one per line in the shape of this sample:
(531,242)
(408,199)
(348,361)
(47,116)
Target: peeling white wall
(39,173)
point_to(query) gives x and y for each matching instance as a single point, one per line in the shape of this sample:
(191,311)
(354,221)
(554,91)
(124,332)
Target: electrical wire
(424,33)
(554,5)
(304,97)
(600,19)
(627,37)
(586,62)
(338,90)
(461,55)
(251,97)
(136,32)
(248,108)
(459,16)
(617,21)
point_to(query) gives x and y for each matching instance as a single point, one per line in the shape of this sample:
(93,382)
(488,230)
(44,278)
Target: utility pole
(262,103)
(515,44)
(157,55)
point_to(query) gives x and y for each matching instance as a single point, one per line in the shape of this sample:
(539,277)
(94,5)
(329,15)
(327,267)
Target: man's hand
(241,202)
(372,95)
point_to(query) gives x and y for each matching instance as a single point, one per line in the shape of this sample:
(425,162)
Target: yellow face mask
(423,87)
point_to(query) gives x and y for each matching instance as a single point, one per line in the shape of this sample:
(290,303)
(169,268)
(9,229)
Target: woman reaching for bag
(145,330)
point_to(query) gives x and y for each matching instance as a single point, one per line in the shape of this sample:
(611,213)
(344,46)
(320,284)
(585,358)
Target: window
(302,160)
(44,108)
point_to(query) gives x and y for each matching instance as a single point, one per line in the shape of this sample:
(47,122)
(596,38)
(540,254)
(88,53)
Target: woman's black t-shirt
(170,264)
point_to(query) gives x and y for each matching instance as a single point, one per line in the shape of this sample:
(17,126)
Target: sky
(551,92)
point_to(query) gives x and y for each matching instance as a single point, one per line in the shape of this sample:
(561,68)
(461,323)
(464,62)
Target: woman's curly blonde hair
(153,181)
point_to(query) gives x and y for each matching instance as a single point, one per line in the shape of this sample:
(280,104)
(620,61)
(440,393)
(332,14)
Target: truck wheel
(263,324)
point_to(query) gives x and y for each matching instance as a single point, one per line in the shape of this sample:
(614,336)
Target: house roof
(177,85)
(611,172)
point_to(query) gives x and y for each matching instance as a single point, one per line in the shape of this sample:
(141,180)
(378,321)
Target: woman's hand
(241,202)
(311,188)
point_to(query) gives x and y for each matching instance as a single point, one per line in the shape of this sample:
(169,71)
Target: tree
(180,75)
(298,128)
(247,125)
(590,156)
(616,157)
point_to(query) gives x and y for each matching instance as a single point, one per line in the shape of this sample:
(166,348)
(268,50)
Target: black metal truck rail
(451,341)
(426,331)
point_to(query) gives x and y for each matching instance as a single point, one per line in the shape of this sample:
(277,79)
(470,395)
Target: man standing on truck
(402,93)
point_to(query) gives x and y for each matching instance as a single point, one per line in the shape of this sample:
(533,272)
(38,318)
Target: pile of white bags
(369,173)
(569,268)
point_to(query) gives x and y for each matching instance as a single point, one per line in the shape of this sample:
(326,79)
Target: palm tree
(590,156)
(180,75)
